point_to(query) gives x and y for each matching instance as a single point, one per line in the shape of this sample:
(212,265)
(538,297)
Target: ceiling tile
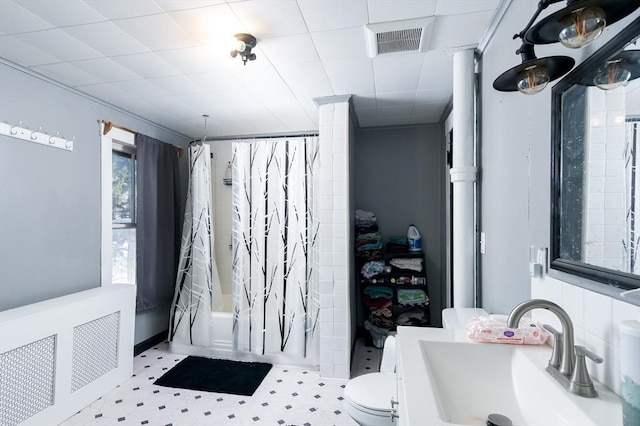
(147,65)
(350,75)
(427,109)
(23,53)
(433,96)
(15,19)
(157,32)
(272,18)
(209,103)
(367,100)
(191,59)
(214,25)
(63,13)
(367,113)
(67,73)
(108,93)
(107,38)
(177,84)
(219,80)
(290,49)
(447,34)
(393,121)
(338,44)
(395,111)
(461,7)
(59,44)
(115,9)
(437,70)
(106,70)
(395,98)
(170,5)
(395,10)
(397,72)
(306,80)
(323,15)
(140,88)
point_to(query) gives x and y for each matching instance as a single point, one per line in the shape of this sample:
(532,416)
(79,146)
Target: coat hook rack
(37,136)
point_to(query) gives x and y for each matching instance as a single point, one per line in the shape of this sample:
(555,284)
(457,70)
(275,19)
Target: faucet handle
(580,382)
(556,353)
(582,351)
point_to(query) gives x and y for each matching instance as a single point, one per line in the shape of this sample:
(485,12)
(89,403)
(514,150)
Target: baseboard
(150,342)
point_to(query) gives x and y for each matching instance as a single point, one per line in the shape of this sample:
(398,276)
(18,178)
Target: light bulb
(532,80)
(581,27)
(613,74)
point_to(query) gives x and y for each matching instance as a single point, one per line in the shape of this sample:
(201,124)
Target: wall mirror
(595,194)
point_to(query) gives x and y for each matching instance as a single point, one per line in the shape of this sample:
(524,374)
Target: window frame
(127,141)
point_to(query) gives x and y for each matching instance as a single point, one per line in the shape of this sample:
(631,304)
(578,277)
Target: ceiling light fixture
(533,74)
(244,44)
(579,23)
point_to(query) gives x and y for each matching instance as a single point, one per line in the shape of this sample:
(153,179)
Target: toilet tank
(458,317)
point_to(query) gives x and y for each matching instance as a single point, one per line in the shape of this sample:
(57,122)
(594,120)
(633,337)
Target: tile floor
(287,396)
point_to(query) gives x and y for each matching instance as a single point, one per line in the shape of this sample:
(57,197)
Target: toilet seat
(372,393)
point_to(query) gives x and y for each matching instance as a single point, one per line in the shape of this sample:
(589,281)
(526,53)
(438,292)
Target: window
(123,214)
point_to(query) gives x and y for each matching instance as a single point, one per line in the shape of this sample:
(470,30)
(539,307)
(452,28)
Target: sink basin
(444,378)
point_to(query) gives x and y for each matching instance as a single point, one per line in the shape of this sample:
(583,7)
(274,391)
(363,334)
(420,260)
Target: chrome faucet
(567,364)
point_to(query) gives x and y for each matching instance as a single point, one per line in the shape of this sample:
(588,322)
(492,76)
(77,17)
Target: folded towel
(376,291)
(365,216)
(406,297)
(482,328)
(376,303)
(416,317)
(413,263)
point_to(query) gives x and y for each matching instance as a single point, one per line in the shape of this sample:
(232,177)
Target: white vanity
(445,378)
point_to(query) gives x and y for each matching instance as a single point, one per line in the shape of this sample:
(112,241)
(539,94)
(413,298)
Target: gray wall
(50,213)
(515,163)
(399,175)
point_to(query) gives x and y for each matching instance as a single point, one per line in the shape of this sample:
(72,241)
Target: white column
(463,176)
(335,269)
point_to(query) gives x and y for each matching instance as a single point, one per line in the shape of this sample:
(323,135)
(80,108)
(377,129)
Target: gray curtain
(158,222)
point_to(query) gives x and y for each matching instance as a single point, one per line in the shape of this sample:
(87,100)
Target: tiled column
(335,241)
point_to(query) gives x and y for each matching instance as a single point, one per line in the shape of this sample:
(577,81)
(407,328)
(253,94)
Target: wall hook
(14,130)
(34,134)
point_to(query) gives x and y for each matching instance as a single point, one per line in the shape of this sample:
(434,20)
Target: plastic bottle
(414,240)
(630,372)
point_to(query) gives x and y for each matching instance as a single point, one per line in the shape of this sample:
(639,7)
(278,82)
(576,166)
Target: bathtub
(222,326)
(222,343)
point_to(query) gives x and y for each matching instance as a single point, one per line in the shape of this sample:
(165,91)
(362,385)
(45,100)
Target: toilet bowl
(368,397)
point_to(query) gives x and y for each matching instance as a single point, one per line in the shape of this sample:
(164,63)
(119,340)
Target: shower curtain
(275,231)
(197,284)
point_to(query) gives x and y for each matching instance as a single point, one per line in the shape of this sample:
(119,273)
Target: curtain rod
(108,125)
(254,137)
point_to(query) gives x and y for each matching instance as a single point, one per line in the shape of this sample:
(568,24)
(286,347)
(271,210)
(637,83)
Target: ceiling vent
(411,35)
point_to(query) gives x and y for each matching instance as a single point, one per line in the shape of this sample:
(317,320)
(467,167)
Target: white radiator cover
(58,356)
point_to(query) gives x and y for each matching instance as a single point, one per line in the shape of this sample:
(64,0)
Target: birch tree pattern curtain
(190,319)
(275,232)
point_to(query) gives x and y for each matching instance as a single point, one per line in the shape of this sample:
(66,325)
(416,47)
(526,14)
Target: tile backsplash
(596,320)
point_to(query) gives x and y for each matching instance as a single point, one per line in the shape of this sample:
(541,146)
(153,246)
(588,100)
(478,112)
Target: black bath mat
(215,375)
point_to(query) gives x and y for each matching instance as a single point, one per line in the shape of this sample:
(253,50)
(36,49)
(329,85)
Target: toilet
(368,397)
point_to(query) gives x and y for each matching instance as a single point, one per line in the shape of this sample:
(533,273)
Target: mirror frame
(610,277)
